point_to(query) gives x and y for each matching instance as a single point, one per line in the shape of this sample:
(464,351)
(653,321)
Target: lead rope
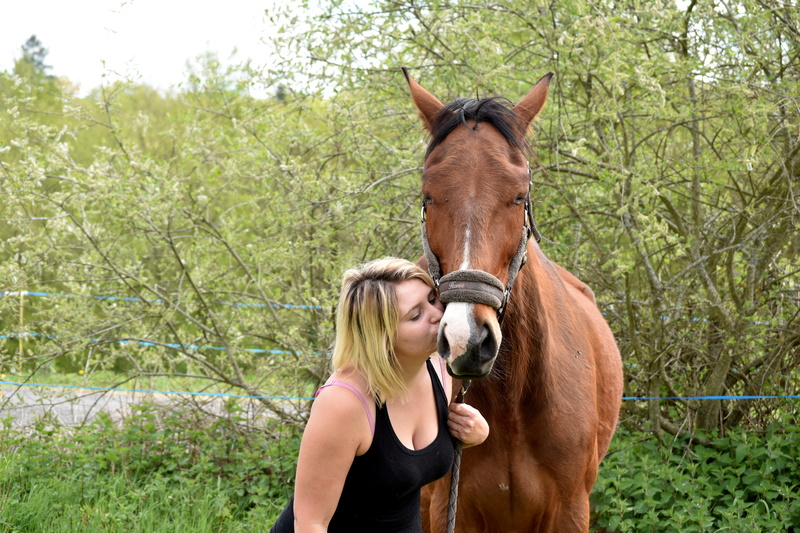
(452,504)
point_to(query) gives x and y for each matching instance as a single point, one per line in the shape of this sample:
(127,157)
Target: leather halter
(477,286)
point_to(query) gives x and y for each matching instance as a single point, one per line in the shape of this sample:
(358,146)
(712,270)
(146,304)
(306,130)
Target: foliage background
(667,179)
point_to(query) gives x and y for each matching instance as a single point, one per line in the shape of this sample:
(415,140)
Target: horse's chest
(523,476)
(510,496)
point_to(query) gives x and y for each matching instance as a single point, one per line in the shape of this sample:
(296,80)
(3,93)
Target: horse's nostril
(487,347)
(443,345)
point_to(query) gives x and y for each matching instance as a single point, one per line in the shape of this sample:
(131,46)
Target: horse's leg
(425,508)
(433,501)
(575,512)
(574,516)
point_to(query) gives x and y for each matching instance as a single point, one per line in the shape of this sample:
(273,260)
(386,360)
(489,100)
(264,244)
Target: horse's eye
(519,200)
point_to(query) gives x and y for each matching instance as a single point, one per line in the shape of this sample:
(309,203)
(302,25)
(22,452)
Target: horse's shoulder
(569,278)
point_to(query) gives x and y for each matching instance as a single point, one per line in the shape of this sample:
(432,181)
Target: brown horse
(552,375)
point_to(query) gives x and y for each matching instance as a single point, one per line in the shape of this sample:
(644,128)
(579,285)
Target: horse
(546,368)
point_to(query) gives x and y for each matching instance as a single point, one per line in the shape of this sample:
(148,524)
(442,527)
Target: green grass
(157,505)
(101,379)
(159,471)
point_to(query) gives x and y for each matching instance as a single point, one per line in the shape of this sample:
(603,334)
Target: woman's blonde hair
(366,323)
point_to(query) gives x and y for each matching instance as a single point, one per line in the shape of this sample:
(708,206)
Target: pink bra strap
(444,369)
(360,397)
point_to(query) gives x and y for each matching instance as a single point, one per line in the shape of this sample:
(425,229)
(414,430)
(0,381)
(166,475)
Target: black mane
(495,110)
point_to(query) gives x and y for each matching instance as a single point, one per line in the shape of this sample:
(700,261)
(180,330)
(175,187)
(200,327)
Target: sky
(92,42)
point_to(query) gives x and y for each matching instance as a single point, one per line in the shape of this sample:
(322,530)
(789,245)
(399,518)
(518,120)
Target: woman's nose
(438,312)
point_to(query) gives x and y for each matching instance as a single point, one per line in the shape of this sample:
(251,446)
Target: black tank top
(382,489)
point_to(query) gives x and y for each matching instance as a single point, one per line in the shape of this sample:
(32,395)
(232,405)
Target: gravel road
(65,407)
(74,406)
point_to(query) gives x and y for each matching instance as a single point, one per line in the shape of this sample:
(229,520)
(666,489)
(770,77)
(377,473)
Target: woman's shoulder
(344,383)
(335,401)
(350,382)
(344,406)
(348,378)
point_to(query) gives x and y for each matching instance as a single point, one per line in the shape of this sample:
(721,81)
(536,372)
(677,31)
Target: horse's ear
(531,105)
(427,104)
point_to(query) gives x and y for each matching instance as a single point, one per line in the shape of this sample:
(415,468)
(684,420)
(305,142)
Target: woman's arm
(336,432)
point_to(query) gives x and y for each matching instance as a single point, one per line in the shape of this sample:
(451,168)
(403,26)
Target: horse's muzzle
(470,351)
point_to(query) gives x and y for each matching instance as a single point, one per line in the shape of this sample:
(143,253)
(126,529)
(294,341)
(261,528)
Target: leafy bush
(741,482)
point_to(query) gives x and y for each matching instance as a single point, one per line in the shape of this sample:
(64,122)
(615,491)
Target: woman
(378,429)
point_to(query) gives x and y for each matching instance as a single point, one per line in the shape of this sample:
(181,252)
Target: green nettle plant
(159,470)
(742,482)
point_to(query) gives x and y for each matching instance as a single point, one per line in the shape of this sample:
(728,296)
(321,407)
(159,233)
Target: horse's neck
(524,365)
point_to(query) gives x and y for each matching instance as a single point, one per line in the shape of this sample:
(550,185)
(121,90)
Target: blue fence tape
(295,306)
(291,306)
(151,344)
(228,395)
(144,391)
(156,300)
(647,398)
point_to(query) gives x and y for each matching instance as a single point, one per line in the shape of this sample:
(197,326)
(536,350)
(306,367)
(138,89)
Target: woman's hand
(467,424)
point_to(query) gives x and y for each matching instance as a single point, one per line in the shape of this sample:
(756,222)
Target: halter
(477,286)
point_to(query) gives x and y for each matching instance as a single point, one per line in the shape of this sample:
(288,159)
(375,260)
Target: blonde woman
(380,428)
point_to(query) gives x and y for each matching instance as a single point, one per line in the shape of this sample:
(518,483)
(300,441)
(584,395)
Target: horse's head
(476,216)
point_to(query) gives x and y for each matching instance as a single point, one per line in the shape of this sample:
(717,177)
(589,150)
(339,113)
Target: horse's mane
(495,110)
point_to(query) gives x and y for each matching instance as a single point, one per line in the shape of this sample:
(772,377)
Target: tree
(667,180)
(32,64)
(668,176)
(198,237)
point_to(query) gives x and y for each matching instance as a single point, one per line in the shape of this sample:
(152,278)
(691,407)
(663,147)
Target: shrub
(741,482)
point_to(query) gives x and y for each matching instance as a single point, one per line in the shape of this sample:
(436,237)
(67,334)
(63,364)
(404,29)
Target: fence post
(21,322)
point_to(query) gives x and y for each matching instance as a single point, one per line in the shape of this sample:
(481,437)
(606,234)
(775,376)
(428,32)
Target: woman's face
(419,314)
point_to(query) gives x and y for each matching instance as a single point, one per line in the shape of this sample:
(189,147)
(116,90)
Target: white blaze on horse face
(456,319)
(465,262)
